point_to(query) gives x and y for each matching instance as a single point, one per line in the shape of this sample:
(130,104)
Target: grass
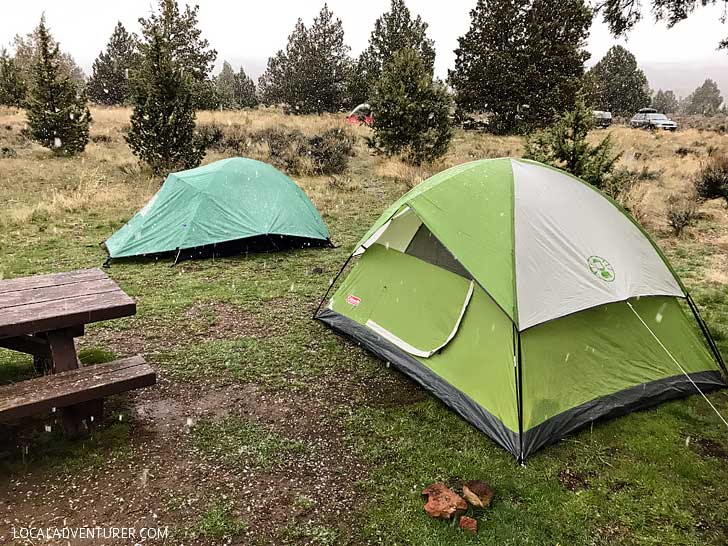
(647,478)
(240,443)
(218,522)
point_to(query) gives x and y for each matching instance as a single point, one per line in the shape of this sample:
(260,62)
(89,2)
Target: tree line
(521,63)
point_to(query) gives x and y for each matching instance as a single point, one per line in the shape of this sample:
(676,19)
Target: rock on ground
(443,502)
(478,493)
(469,525)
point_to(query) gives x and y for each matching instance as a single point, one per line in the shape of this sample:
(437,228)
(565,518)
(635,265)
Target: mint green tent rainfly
(526,300)
(224,206)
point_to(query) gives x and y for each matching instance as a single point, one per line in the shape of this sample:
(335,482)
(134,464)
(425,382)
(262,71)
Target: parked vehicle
(602,119)
(649,118)
(361,115)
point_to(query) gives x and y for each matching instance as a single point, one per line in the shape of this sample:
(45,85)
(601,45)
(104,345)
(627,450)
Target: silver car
(649,118)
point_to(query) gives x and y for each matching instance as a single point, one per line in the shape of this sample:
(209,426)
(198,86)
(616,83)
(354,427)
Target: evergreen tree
(620,86)
(564,145)
(393,31)
(665,102)
(187,49)
(26,49)
(58,117)
(12,87)
(109,81)
(706,99)
(245,92)
(226,86)
(412,113)
(162,132)
(521,61)
(310,75)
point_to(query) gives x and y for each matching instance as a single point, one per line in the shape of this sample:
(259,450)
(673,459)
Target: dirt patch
(705,447)
(202,322)
(573,480)
(226,321)
(161,479)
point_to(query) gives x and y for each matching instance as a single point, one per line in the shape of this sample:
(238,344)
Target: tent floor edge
(458,401)
(635,398)
(255,244)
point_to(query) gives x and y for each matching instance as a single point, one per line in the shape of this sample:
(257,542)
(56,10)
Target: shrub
(565,145)
(210,135)
(105,139)
(682,212)
(711,181)
(331,151)
(287,150)
(7,152)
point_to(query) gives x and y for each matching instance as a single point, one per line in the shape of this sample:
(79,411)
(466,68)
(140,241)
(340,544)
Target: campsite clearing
(268,428)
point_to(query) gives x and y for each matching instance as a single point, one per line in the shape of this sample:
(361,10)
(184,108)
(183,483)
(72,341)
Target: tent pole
(332,284)
(519,390)
(706,332)
(520,399)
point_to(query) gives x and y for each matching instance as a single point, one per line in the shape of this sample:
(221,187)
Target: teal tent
(229,206)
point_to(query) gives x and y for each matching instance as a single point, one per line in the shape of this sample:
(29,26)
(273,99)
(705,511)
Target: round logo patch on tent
(601,268)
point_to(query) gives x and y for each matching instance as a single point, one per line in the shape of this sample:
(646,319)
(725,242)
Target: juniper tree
(233,90)
(162,132)
(245,92)
(706,99)
(12,86)
(310,74)
(393,31)
(58,117)
(665,101)
(620,86)
(26,49)
(521,61)
(109,81)
(412,113)
(188,50)
(225,85)
(564,144)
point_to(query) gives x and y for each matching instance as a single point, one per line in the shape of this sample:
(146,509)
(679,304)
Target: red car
(361,115)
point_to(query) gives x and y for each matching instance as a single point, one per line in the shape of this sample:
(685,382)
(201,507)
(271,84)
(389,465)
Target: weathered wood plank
(56,292)
(53,315)
(74,387)
(52,279)
(63,350)
(31,345)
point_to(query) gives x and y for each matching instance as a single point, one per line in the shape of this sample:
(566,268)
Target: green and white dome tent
(526,300)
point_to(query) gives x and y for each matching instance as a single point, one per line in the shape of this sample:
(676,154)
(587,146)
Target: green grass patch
(308,533)
(219,522)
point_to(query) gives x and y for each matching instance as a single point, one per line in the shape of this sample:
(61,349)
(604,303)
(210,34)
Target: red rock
(469,525)
(443,502)
(478,493)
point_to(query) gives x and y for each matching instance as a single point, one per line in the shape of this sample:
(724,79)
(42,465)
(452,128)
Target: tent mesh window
(425,246)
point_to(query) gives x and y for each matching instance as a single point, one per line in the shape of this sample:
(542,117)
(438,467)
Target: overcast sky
(247,32)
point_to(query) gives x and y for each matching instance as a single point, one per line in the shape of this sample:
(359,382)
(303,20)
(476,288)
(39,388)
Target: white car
(649,118)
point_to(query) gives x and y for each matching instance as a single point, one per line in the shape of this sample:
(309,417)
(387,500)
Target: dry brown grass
(108,177)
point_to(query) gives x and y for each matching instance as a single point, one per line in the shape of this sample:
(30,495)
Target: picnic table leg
(63,357)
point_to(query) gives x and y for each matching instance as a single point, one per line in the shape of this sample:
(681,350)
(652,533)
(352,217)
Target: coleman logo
(351,299)
(601,268)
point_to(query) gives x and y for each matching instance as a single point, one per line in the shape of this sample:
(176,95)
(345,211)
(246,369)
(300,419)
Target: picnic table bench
(41,316)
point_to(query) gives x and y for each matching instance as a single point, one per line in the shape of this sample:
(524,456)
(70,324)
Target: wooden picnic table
(41,316)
